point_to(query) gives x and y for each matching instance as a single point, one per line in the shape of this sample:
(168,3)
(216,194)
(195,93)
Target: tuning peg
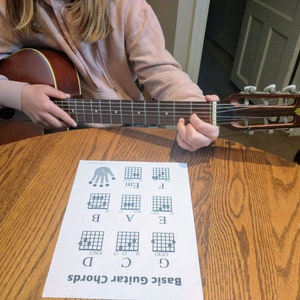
(290,89)
(270,89)
(250,89)
(291,131)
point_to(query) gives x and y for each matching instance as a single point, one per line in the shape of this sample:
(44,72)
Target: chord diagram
(161,174)
(132,173)
(91,240)
(163,242)
(131,202)
(162,204)
(99,201)
(127,241)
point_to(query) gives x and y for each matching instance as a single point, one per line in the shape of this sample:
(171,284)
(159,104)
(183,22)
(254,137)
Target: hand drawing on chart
(101,174)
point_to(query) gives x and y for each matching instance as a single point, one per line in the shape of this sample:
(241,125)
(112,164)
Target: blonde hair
(89,17)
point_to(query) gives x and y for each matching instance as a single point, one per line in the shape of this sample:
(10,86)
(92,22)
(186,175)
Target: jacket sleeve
(156,68)
(10,93)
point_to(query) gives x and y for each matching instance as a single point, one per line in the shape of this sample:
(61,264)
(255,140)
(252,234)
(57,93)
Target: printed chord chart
(163,242)
(99,201)
(128,225)
(162,204)
(133,173)
(91,240)
(131,202)
(127,241)
(161,174)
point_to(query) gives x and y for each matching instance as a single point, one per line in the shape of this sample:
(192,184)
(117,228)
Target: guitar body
(35,66)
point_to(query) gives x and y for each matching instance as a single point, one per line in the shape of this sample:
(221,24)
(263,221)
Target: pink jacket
(134,48)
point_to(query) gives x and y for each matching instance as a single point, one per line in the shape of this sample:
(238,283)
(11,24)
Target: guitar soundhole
(7,113)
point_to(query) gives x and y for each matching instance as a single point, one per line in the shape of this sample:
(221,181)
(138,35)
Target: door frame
(190,33)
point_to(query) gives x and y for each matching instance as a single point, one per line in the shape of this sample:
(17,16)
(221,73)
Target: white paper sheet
(128,233)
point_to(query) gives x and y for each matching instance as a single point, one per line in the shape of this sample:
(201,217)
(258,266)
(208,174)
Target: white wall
(186,33)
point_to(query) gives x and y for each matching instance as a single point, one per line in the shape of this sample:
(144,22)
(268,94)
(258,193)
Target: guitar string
(91,109)
(167,106)
(130,109)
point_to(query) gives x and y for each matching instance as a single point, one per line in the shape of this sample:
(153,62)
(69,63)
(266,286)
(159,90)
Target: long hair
(90,21)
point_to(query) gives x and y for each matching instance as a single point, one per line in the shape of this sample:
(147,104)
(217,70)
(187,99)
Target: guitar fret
(174,112)
(158,114)
(91,107)
(110,112)
(116,115)
(83,110)
(145,113)
(76,113)
(100,111)
(121,112)
(166,113)
(132,115)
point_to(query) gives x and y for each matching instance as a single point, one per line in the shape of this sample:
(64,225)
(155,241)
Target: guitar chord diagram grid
(129,241)
(91,240)
(162,204)
(161,174)
(131,202)
(132,173)
(99,201)
(162,242)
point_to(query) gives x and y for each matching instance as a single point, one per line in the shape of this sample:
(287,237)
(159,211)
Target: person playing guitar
(111,43)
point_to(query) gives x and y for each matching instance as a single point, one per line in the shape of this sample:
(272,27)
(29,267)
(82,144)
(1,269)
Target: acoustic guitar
(244,111)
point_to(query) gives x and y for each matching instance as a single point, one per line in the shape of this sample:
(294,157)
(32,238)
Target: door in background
(269,44)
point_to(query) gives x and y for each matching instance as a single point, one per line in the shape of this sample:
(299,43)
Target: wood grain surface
(246,208)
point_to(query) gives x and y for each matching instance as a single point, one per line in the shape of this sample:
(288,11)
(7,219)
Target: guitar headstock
(263,110)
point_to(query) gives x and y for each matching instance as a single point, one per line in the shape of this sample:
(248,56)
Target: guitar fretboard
(134,112)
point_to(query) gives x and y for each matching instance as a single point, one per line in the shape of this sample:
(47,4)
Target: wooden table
(246,206)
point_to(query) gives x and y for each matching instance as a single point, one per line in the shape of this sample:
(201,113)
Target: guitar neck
(227,113)
(146,113)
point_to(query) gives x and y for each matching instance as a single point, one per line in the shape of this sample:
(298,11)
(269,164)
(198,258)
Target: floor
(214,77)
